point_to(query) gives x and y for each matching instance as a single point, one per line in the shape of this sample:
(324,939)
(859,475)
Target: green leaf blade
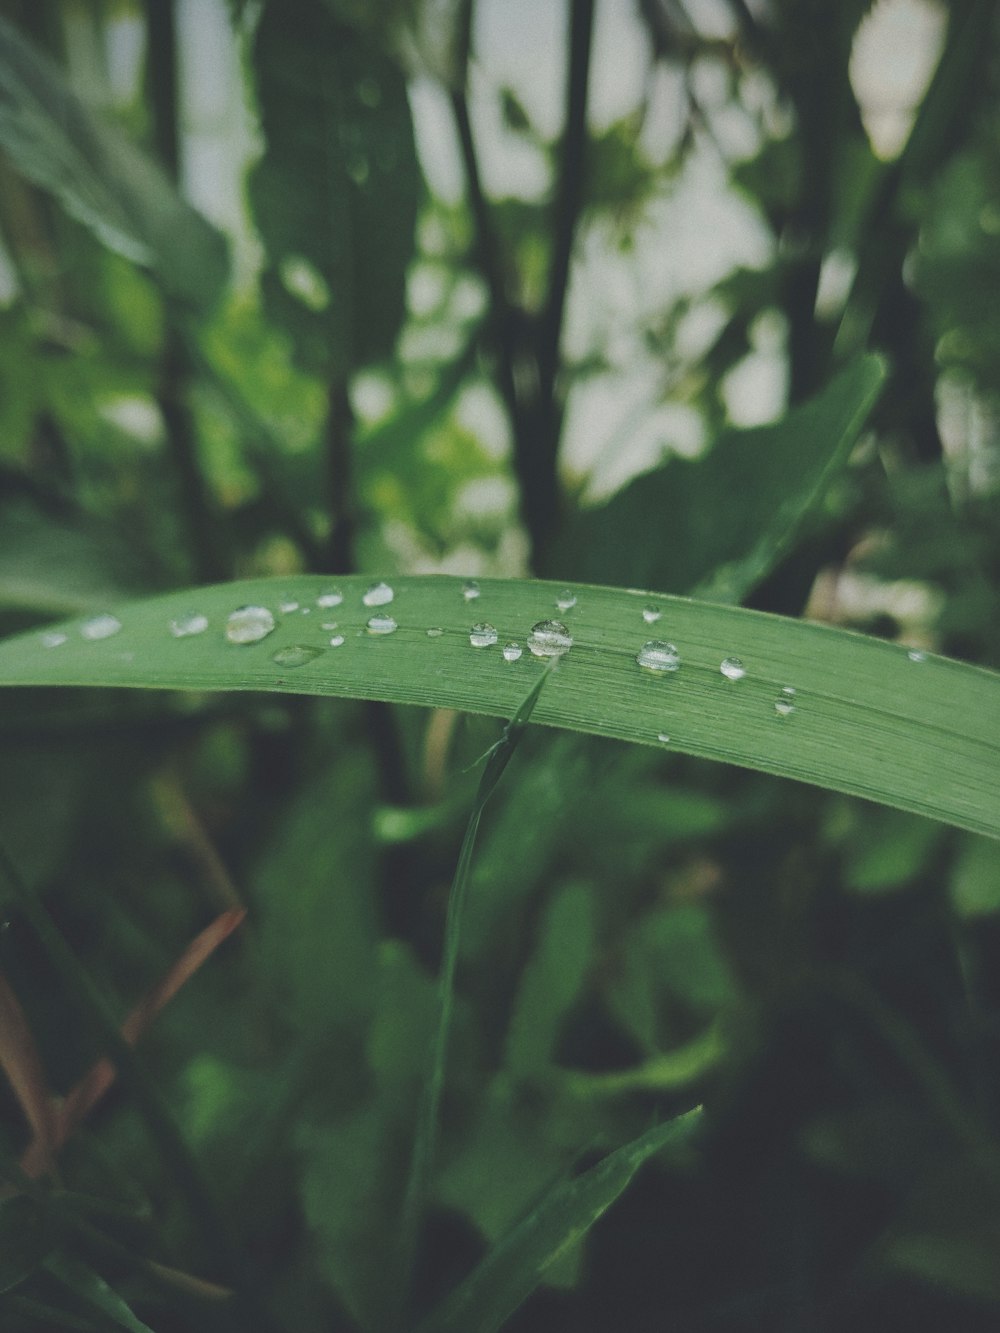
(919,735)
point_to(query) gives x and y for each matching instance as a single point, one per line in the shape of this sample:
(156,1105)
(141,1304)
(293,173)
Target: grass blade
(920,735)
(514,1268)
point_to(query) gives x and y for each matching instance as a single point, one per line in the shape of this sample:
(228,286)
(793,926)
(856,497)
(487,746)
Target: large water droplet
(917,655)
(295,655)
(470,590)
(379,594)
(381,625)
(549,638)
(483,635)
(336,640)
(52,638)
(566,600)
(732,668)
(249,624)
(192,623)
(332,598)
(657,655)
(100,627)
(784,705)
(435,632)
(651,614)
(287,606)
(512,651)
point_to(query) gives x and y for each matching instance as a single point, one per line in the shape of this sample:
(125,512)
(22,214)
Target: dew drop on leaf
(192,623)
(549,638)
(435,632)
(336,641)
(732,668)
(663,737)
(784,705)
(53,638)
(566,600)
(917,655)
(651,614)
(249,624)
(381,625)
(332,598)
(658,655)
(100,627)
(379,594)
(483,635)
(470,590)
(512,651)
(287,606)
(295,655)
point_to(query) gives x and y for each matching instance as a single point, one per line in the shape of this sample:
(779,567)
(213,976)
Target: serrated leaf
(335,194)
(868,720)
(101,178)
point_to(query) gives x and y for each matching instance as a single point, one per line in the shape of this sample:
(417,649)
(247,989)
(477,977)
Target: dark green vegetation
(323,1011)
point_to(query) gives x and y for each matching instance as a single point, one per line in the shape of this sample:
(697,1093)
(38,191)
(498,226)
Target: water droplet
(379,594)
(100,627)
(549,638)
(435,632)
(512,651)
(651,614)
(663,737)
(917,655)
(381,625)
(656,655)
(53,638)
(482,635)
(566,600)
(470,590)
(249,624)
(330,624)
(336,641)
(732,668)
(332,598)
(307,610)
(192,623)
(784,705)
(287,606)
(295,655)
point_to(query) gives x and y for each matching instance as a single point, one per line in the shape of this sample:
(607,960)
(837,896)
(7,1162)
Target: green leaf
(718,524)
(513,1269)
(868,720)
(335,194)
(94,1292)
(25,1240)
(101,178)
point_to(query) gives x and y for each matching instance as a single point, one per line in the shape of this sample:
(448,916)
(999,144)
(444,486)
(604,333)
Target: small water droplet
(53,638)
(100,627)
(482,635)
(307,611)
(732,668)
(332,598)
(470,590)
(379,594)
(381,625)
(330,624)
(566,600)
(336,640)
(192,623)
(663,737)
(651,614)
(656,655)
(287,606)
(249,624)
(784,705)
(512,651)
(296,655)
(435,632)
(917,655)
(549,638)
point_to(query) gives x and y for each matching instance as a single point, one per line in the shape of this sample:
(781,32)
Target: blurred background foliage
(502,288)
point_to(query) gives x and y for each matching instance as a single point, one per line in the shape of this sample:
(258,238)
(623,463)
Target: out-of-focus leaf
(101,178)
(975,879)
(717,525)
(25,1240)
(335,194)
(94,1293)
(514,1268)
(888,849)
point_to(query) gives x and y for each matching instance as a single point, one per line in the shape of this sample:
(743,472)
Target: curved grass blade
(922,735)
(513,1269)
